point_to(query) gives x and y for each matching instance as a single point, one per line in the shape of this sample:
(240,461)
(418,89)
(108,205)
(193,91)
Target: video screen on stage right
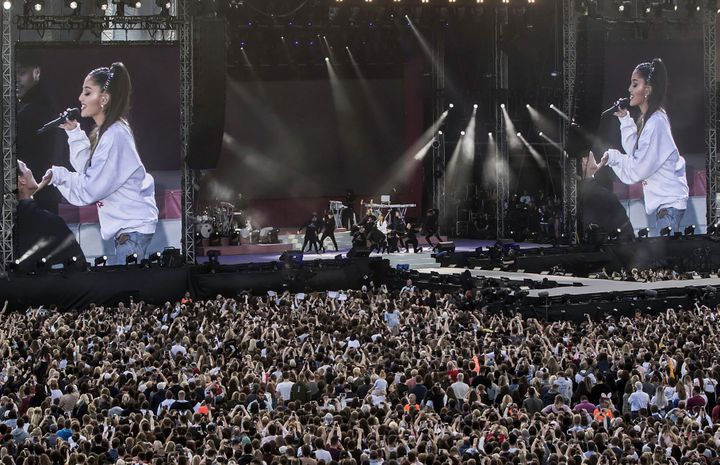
(656,154)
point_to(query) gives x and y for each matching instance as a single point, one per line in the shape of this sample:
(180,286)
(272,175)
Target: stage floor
(461,245)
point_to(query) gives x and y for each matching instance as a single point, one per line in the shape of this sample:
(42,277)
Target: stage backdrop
(154,118)
(290,146)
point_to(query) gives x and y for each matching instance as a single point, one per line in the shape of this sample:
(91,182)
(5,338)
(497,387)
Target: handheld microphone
(621,104)
(71,114)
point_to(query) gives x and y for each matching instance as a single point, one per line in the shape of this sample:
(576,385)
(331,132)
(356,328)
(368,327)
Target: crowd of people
(648,275)
(374,377)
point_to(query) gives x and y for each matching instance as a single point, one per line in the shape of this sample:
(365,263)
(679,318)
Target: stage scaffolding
(569,168)
(161,28)
(711,108)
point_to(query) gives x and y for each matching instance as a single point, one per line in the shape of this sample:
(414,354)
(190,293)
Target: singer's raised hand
(69,125)
(622,112)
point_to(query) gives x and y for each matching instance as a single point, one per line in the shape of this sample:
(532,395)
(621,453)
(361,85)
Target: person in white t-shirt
(284,388)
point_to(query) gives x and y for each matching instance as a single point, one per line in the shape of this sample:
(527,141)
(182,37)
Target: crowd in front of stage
(362,377)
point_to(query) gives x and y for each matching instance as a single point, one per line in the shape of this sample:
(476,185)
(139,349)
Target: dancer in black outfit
(328,231)
(348,213)
(392,241)
(311,230)
(411,238)
(431,227)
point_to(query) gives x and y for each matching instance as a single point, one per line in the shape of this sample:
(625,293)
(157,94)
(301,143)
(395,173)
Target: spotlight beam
(535,154)
(409,161)
(550,141)
(459,169)
(540,121)
(510,133)
(370,98)
(559,112)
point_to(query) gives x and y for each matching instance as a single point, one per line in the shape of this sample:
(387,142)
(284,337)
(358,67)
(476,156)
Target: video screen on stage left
(103,184)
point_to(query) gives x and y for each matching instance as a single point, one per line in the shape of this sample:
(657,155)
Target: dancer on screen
(108,169)
(651,154)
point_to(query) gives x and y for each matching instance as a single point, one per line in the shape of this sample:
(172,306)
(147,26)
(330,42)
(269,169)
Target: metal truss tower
(711,108)
(9,174)
(569,165)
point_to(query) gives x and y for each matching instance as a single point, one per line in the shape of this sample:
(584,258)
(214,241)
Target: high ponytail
(655,75)
(115,81)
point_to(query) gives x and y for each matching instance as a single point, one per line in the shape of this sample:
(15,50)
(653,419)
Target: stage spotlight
(462,133)
(41,264)
(72,4)
(540,133)
(101,261)
(614,235)
(101,5)
(666,231)
(131,259)
(137,4)
(502,105)
(690,230)
(713,229)
(644,232)
(452,105)
(440,133)
(14,265)
(475,107)
(7,4)
(38,5)
(155,258)
(164,6)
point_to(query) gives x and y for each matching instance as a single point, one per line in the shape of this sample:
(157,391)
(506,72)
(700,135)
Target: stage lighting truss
(98,23)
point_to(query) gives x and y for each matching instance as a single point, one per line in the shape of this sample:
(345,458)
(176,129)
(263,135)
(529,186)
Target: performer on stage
(411,238)
(392,241)
(359,237)
(651,154)
(349,212)
(431,226)
(311,234)
(40,233)
(108,169)
(328,230)
(397,224)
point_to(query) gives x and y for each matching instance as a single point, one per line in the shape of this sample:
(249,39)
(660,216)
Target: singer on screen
(651,156)
(108,169)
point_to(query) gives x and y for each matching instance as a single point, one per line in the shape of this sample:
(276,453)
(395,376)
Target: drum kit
(223,221)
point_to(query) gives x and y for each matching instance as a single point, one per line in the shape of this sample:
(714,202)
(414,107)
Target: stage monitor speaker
(358,252)
(209,83)
(171,258)
(448,246)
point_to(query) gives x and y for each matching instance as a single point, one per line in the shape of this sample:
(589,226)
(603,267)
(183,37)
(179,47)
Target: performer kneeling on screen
(108,169)
(651,154)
